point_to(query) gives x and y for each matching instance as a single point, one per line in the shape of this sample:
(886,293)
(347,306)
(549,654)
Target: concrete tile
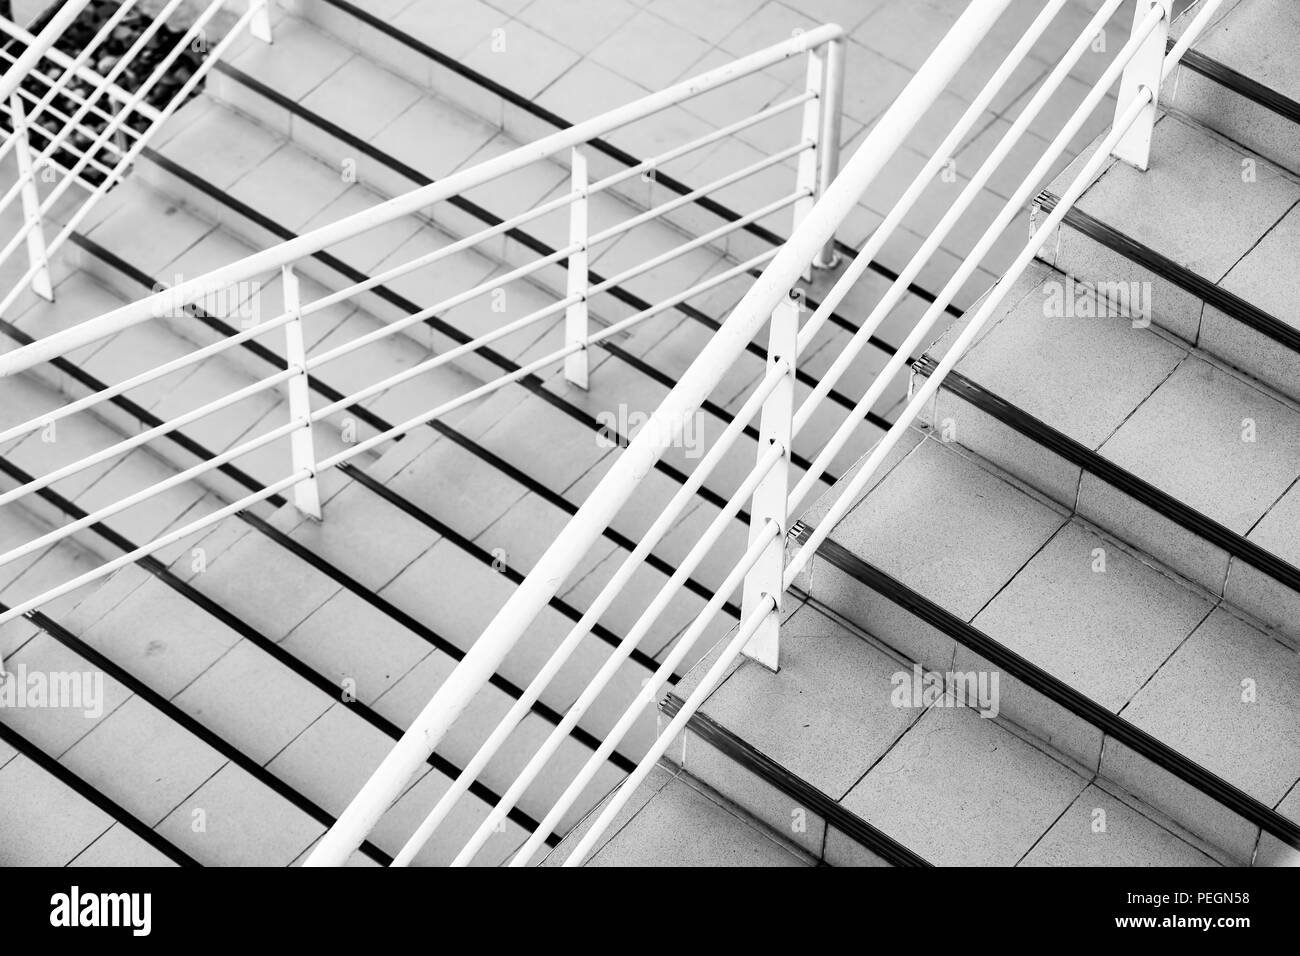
(1030,359)
(1199,704)
(243,823)
(316,185)
(649,51)
(1252,40)
(142,760)
(361,97)
(433,136)
(521,58)
(1191,439)
(1256,591)
(222,148)
(945,527)
(460,488)
(1103,633)
(828,714)
(331,760)
(45,823)
(347,639)
(301,57)
(1194,178)
(960,790)
(161,636)
(249,700)
(681,826)
(588,90)
(1118,835)
(710,22)
(1272,851)
(120,847)
(581,26)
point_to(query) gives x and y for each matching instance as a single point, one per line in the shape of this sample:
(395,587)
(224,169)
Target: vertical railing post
(1144,69)
(772,494)
(576,318)
(809,160)
(306,494)
(260,24)
(37,256)
(828,135)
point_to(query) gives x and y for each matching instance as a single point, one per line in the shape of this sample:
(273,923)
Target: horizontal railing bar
(650,691)
(708,538)
(633,562)
(145,494)
(319,239)
(146,436)
(35,47)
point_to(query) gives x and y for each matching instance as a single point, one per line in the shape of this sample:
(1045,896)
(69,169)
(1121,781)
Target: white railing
(72,126)
(761,574)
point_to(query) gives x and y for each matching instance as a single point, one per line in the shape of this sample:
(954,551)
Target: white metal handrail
(38,149)
(819,203)
(1139,67)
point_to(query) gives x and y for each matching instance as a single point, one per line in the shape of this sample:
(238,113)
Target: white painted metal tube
(876,241)
(622,651)
(38,46)
(157,545)
(105,84)
(650,692)
(1190,35)
(144,437)
(58,114)
(564,554)
(152,491)
(1009,211)
(532,693)
(272,259)
(707,684)
(78,61)
(112,391)
(994,299)
(152,302)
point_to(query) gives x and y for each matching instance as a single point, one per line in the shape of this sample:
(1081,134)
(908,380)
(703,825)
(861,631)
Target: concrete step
(1241,80)
(1076,603)
(837,726)
(1201,244)
(1210,441)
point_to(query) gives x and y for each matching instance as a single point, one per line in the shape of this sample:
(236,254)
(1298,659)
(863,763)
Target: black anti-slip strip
(1238,308)
(1119,478)
(157,569)
(115,810)
(412,510)
(1239,83)
(795,787)
(173,713)
(379,424)
(542,249)
(613,152)
(531,382)
(327,568)
(1055,690)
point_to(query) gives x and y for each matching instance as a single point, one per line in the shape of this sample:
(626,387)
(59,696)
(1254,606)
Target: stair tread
(45,823)
(1256,39)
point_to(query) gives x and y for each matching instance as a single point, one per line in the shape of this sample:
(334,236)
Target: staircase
(1108,529)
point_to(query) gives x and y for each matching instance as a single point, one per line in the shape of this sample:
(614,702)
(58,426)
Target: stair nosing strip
(542,249)
(1056,690)
(105,804)
(613,152)
(204,734)
(238,625)
(834,814)
(1123,480)
(1239,83)
(1234,306)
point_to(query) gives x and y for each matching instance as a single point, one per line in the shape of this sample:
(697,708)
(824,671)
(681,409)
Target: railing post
(809,160)
(37,256)
(306,494)
(576,317)
(828,134)
(260,24)
(772,494)
(1144,69)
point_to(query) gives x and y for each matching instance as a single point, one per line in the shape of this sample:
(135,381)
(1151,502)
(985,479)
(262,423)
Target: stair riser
(1239,118)
(1110,509)
(519,124)
(1178,311)
(1028,709)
